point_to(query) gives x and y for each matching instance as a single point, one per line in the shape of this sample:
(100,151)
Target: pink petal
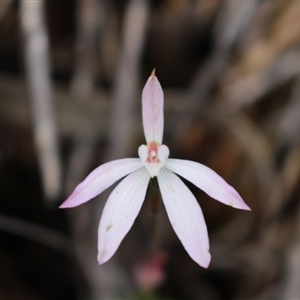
(185,216)
(208,181)
(100,179)
(120,211)
(153,103)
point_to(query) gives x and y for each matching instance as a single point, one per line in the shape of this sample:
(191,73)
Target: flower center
(153,156)
(152,153)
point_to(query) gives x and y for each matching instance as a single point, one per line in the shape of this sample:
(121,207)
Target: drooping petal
(185,216)
(120,211)
(207,180)
(100,179)
(152,110)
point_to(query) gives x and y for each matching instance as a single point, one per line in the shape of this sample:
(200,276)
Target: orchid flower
(125,201)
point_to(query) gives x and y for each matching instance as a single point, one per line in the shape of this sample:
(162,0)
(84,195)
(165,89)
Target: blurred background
(71,77)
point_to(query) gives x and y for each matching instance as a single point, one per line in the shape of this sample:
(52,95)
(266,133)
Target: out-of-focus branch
(41,97)
(4,5)
(232,21)
(251,88)
(288,142)
(91,116)
(289,126)
(35,232)
(124,96)
(289,288)
(57,242)
(90,21)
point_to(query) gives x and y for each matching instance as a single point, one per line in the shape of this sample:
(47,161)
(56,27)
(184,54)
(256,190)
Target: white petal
(143,153)
(163,154)
(120,211)
(153,117)
(100,179)
(185,216)
(207,180)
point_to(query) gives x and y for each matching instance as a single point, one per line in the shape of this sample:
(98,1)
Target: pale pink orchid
(125,201)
